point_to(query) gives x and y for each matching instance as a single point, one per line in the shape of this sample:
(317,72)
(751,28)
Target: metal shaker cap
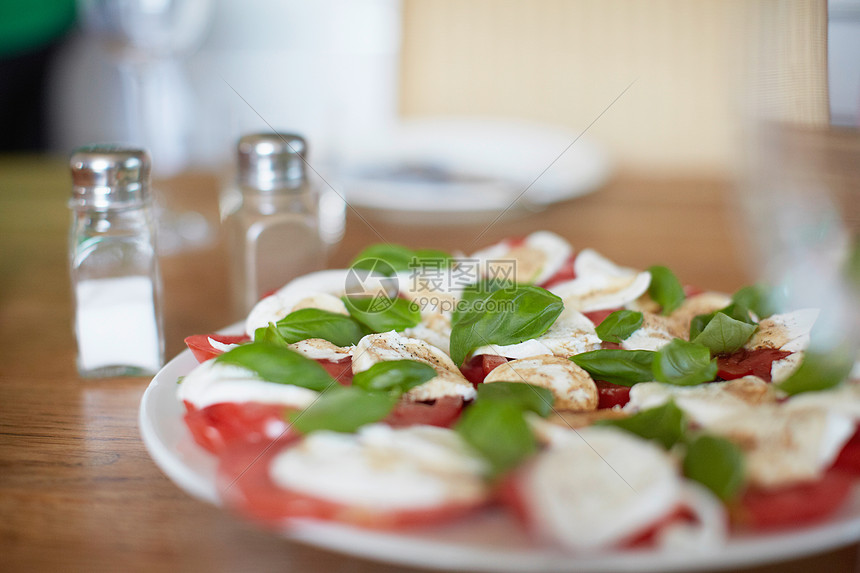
(107,176)
(269,161)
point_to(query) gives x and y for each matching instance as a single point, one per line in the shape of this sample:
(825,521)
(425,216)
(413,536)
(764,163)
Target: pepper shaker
(273,218)
(116,286)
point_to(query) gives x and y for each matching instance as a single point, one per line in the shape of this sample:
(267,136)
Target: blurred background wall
(330,67)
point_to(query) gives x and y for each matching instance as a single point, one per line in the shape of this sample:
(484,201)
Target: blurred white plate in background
(470,165)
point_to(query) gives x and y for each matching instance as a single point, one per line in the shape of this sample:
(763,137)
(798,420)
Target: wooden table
(78,490)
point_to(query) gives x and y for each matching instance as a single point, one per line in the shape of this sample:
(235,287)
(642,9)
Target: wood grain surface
(78,491)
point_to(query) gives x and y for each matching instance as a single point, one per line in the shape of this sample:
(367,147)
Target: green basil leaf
(735,311)
(278,364)
(473,297)
(270,335)
(758,298)
(819,371)
(316,323)
(343,409)
(394,375)
(664,424)
(619,325)
(665,288)
(684,364)
(724,335)
(397,257)
(381,313)
(625,367)
(716,463)
(525,396)
(498,431)
(507,316)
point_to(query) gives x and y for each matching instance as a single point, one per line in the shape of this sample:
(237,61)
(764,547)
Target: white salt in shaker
(116,286)
(273,219)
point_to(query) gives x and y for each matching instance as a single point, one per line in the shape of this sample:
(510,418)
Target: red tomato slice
(442,412)
(598,316)
(220,426)
(610,394)
(849,458)
(647,537)
(340,370)
(794,505)
(247,488)
(749,362)
(477,367)
(203,350)
(564,274)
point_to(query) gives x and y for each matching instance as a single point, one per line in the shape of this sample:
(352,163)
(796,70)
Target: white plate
(488,542)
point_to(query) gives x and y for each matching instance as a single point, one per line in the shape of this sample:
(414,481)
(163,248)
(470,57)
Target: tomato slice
(441,412)
(849,458)
(564,274)
(220,426)
(246,486)
(203,350)
(340,370)
(610,394)
(749,362)
(477,367)
(794,505)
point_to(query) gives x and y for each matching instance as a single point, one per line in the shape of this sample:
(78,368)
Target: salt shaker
(273,218)
(115,279)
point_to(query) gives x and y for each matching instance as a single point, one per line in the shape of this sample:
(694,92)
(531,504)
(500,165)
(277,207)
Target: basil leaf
(398,258)
(758,298)
(270,335)
(619,325)
(381,313)
(716,463)
(497,430)
(394,375)
(819,371)
(735,311)
(508,316)
(664,424)
(525,396)
(316,323)
(684,363)
(278,364)
(665,288)
(724,335)
(473,296)
(343,409)
(625,367)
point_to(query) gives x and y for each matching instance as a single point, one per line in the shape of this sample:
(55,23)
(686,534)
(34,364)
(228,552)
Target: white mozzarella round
(655,333)
(598,487)
(571,386)
(788,331)
(601,284)
(572,333)
(319,349)
(384,469)
(375,348)
(539,257)
(213,383)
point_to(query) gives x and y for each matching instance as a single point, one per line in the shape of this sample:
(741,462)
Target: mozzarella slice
(571,386)
(781,370)
(785,446)
(601,284)
(213,383)
(789,331)
(383,469)
(434,328)
(692,306)
(572,333)
(539,257)
(655,333)
(597,487)
(375,348)
(434,290)
(222,346)
(319,349)
(843,399)
(275,307)
(705,404)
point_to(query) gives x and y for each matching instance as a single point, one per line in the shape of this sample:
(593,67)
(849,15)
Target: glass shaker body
(274,237)
(116,285)
(272,218)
